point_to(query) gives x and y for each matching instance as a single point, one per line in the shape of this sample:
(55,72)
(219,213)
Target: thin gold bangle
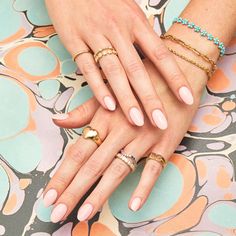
(207,70)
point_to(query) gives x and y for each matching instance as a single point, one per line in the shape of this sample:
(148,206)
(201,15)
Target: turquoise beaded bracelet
(203,33)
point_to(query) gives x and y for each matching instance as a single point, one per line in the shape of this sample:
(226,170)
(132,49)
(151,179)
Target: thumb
(78,117)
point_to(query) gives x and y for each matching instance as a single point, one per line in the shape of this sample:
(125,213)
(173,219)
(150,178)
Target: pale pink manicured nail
(58,213)
(159,119)
(110,104)
(60,116)
(135,204)
(50,197)
(186,95)
(84,212)
(136,116)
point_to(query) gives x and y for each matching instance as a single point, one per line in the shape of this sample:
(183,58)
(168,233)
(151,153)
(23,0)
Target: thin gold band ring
(157,157)
(74,57)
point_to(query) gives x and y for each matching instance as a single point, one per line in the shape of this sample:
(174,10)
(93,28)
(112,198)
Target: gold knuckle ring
(90,133)
(104,52)
(75,56)
(128,159)
(157,157)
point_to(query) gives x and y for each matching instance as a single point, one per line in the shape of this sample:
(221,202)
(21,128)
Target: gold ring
(74,57)
(129,160)
(157,157)
(90,133)
(104,52)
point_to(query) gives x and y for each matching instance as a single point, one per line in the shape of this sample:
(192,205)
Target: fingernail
(135,204)
(136,116)
(84,212)
(159,119)
(186,95)
(60,116)
(50,197)
(110,104)
(58,213)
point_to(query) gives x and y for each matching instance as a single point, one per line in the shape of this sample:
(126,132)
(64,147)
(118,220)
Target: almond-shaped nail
(60,116)
(84,212)
(186,95)
(50,197)
(159,119)
(109,102)
(136,116)
(135,204)
(58,213)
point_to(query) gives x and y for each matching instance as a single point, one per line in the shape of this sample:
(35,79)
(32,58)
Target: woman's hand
(84,25)
(85,163)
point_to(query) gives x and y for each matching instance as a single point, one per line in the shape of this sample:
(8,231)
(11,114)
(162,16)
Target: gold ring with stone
(157,157)
(90,133)
(129,160)
(104,52)
(75,56)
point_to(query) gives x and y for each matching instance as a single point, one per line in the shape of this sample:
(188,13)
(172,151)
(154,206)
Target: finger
(78,117)
(88,175)
(93,76)
(152,171)
(159,54)
(75,157)
(118,81)
(140,81)
(112,177)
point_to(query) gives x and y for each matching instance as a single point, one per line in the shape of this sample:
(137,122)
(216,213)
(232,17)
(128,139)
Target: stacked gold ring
(90,133)
(104,52)
(129,160)
(157,157)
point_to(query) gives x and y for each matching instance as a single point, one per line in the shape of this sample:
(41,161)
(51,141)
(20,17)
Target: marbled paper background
(196,193)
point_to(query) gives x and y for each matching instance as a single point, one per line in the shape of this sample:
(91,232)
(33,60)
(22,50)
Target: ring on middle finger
(128,159)
(104,52)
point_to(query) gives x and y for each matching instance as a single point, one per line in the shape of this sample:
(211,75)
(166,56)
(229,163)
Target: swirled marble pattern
(196,193)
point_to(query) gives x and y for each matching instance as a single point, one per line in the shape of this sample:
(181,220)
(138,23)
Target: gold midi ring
(157,157)
(90,133)
(104,52)
(129,160)
(75,56)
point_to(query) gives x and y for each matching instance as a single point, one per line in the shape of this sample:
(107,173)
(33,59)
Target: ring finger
(111,178)
(117,78)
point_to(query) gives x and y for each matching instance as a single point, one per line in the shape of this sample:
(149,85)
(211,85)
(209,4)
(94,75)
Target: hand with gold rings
(90,133)
(86,163)
(110,33)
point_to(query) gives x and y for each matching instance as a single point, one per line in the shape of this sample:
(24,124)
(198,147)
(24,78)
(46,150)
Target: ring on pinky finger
(155,163)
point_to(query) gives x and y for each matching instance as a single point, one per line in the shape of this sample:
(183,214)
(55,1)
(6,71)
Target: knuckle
(176,77)
(83,111)
(87,67)
(59,180)
(76,155)
(118,170)
(70,197)
(111,67)
(135,67)
(149,98)
(153,168)
(92,169)
(161,53)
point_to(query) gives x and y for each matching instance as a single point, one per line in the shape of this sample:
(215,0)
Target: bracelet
(194,50)
(207,70)
(203,33)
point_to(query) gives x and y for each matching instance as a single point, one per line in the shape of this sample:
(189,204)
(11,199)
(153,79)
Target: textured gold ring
(157,157)
(90,133)
(129,160)
(104,52)
(75,56)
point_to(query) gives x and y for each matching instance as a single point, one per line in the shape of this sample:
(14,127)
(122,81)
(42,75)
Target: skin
(84,163)
(125,24)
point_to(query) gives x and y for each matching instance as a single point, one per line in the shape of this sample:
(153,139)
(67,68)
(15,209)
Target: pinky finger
(150,174)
